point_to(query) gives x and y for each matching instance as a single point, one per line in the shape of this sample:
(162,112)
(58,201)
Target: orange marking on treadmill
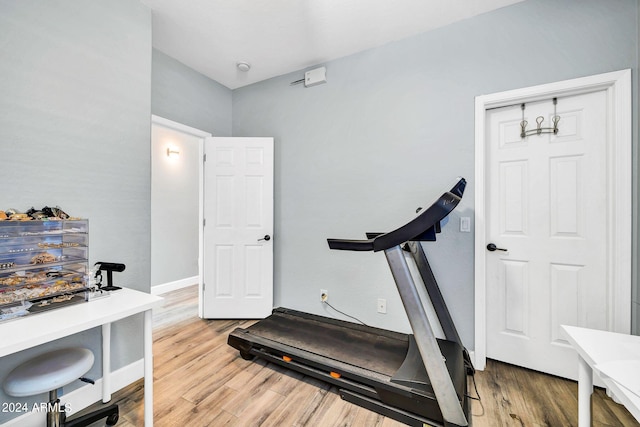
(335,374)
(286,358)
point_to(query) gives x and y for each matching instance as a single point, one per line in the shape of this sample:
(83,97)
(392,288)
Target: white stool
(50,372)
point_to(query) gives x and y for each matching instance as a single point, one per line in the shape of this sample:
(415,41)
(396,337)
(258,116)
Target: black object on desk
(109,267)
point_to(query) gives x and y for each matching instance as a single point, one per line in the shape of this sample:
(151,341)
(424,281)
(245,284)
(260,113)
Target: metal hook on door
(539,129)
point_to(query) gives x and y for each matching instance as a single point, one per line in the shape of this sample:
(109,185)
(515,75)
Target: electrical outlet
(324,295)
(382,305)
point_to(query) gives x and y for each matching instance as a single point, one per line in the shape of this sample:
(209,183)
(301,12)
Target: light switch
(465,224)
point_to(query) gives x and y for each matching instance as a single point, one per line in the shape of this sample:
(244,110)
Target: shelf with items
(39,259)
(39,285)
(15,229)
(43,263)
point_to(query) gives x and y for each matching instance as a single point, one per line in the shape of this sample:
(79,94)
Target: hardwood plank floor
(200,381)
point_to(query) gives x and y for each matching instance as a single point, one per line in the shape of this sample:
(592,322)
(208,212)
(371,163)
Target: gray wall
(185,96)
(75,79)
(393,127)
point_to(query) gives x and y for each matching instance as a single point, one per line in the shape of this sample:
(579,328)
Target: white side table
(55,324)
(595,348)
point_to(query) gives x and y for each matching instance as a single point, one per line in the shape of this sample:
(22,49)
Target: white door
(238,227)
(547,205)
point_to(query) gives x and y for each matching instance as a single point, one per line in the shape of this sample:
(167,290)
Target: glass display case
(43,265)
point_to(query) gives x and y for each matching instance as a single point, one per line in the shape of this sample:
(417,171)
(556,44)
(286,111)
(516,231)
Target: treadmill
(416,379)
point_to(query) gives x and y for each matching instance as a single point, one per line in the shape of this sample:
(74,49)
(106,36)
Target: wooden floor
(200,381)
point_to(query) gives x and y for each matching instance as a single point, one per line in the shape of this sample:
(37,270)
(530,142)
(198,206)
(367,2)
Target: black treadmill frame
(436,397)
(373,390)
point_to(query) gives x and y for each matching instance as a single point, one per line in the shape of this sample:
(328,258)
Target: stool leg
(54,412)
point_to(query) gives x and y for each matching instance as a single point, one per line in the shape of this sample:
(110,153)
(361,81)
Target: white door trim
(617,84)
(201,135)
(178,126)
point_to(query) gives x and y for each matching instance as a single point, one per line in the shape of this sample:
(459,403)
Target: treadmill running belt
(357,346)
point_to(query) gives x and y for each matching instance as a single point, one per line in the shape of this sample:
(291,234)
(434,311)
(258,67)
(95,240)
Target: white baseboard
(84,396)
(173,286)
(472,356)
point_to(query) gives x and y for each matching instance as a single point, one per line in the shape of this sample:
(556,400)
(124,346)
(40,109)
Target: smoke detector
(243,66)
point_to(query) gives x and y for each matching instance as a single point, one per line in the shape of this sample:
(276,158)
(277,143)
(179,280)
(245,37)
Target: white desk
(598,347)
(33,330)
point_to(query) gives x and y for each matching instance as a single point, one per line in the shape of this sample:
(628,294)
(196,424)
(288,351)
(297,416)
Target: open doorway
(176,177)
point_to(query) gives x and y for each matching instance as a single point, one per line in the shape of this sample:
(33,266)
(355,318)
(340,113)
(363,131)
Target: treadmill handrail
(411,230)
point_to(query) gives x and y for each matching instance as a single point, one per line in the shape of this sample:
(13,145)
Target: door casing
(617,85)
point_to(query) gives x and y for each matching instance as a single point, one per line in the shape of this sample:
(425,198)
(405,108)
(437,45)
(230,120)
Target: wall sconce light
(172,153)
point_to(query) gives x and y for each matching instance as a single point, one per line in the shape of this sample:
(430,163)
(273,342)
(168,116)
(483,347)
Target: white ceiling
(280,36)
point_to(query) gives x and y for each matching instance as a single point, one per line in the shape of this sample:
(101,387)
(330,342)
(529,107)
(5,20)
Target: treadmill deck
(343,341)
(374,357)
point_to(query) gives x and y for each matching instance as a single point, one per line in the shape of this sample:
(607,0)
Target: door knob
(266,237)
(491,247)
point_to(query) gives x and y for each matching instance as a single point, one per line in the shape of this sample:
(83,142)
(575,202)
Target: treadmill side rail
(437,300)
(397,414)
(441,382)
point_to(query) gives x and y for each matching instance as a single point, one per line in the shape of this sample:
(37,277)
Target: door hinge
(202,286)
(204,222)
(204,158)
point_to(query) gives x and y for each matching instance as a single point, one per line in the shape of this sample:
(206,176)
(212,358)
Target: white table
(59,323)
(595,348)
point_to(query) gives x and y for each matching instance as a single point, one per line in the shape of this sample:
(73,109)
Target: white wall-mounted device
(315,77)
